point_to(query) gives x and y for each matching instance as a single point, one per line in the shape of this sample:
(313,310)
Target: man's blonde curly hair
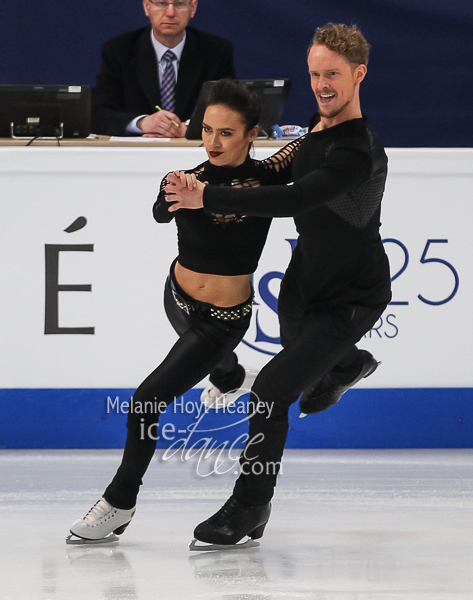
(346,40)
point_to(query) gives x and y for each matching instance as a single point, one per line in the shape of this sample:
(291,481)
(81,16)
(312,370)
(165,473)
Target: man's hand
(160,124)
(184,192)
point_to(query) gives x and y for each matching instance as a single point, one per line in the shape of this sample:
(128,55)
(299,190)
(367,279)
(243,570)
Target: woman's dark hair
(237,96)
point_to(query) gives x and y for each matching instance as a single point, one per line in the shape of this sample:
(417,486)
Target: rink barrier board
(87,310)
(364,418)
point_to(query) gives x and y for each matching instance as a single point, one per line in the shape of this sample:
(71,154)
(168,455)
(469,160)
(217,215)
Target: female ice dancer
(208,294)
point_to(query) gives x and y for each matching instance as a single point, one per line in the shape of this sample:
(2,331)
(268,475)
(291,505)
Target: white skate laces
(212,397)
(100,524)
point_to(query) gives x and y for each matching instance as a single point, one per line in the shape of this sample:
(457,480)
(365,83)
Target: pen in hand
(172,120)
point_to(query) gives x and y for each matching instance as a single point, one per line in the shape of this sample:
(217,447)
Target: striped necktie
(168,84)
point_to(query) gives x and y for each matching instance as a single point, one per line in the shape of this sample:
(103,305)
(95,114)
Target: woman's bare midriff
(219,290)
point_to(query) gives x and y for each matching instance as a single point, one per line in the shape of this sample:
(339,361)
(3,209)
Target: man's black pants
(314,342)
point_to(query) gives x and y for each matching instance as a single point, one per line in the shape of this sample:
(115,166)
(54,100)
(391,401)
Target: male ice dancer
(337,284)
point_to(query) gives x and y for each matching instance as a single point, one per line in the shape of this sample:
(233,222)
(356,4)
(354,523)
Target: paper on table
(138,138)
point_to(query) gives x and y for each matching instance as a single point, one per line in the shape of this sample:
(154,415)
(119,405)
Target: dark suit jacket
(128,82)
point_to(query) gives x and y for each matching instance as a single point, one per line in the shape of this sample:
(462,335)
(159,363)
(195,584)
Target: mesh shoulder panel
(360,205)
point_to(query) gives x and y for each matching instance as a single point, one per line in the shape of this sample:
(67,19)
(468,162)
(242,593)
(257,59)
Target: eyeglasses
(178,5)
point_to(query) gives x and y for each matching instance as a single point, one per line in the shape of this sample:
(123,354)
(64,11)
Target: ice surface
(346,525)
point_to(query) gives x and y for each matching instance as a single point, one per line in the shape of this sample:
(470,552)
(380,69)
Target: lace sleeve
(277,169)
(161,213)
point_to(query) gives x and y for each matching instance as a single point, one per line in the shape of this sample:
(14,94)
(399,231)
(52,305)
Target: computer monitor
(47,111)
(272,92)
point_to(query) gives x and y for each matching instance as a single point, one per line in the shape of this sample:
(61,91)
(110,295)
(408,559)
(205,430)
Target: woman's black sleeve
(161,213)
(343,170)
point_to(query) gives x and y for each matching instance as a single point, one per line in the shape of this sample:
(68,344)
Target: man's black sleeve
(343,170)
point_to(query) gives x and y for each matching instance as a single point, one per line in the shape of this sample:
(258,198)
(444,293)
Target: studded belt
(234,313)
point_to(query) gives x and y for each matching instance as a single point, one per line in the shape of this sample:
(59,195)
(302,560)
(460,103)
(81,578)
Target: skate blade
(73,540)
(197,545)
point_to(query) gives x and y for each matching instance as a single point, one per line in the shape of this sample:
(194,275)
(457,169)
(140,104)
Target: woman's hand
(184,190)
(188,180)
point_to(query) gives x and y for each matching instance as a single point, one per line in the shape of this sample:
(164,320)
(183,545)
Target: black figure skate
(328,391)
(229,525)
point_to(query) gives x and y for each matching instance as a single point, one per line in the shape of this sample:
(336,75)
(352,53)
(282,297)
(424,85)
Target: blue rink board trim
(366,418)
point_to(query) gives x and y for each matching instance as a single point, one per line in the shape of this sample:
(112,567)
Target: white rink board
(44,190)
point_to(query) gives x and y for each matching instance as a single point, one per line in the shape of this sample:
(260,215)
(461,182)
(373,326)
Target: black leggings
(315,342)
(205,346)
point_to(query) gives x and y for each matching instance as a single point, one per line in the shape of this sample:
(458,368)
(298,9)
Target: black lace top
(224,243)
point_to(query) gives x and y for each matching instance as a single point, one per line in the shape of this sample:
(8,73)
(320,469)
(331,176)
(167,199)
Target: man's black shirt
(339,177)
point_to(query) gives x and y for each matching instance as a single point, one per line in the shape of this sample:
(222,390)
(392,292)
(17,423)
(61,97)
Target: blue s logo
(264,342)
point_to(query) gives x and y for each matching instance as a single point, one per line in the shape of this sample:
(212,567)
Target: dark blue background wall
(418,92)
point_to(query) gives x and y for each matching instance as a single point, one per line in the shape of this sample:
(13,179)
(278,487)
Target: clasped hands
(184,190)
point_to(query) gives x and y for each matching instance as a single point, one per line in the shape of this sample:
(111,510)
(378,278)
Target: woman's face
(225,137)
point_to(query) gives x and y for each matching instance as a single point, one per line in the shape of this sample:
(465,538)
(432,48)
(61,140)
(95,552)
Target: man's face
(169,23)
(334,81)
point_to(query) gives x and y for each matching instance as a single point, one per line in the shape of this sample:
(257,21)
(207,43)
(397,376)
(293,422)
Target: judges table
(84,263)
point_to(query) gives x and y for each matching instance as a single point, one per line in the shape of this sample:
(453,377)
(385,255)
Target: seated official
(161,66)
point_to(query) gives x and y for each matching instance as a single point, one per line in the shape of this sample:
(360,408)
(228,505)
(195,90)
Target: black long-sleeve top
(339,178)
(226,242)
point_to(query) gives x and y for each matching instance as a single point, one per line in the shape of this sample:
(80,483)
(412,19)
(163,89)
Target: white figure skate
(212,397)
(101,525)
